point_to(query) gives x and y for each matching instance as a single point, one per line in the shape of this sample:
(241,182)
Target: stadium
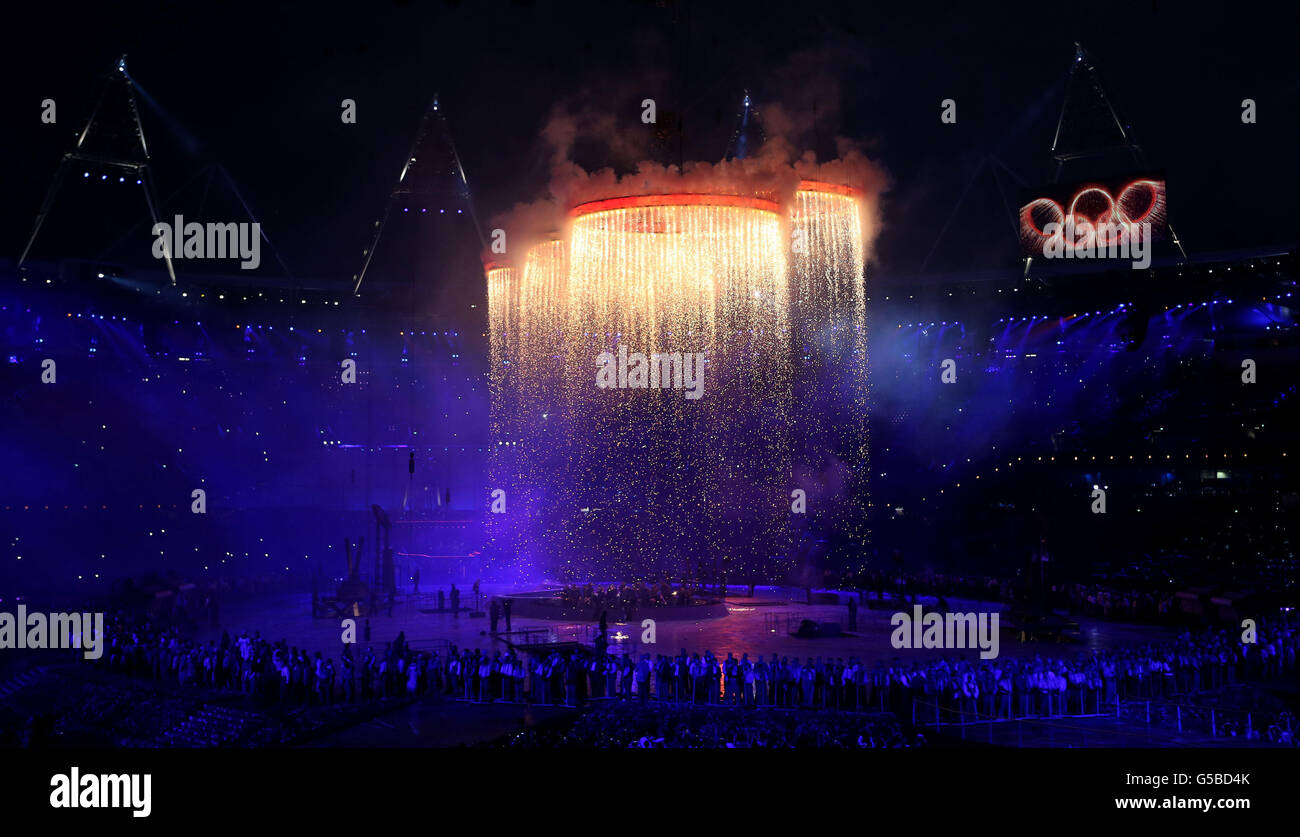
(412,445)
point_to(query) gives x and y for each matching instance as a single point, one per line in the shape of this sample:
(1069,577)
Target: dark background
(257,86)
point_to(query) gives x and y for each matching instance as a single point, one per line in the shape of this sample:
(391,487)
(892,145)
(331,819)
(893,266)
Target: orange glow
(684,199)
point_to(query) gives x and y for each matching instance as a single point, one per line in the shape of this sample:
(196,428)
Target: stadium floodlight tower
(432,172)
(748,134)
(1089,126)
(113,138)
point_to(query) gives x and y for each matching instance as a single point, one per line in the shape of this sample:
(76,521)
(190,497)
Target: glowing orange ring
(1156,195)
(1027,214)
(822,186)
(681,199)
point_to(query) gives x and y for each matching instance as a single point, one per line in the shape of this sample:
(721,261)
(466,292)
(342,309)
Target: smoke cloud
(602,125)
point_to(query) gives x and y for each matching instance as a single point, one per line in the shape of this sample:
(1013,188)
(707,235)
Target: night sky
(258,87)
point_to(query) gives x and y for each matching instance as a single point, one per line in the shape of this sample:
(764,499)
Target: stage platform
(754,626)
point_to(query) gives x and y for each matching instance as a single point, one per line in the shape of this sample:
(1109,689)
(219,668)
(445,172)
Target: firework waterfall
(678,382)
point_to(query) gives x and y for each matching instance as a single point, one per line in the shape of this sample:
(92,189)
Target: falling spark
(645,482)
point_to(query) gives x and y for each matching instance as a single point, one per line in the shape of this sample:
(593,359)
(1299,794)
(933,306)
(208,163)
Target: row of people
(1050,685)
